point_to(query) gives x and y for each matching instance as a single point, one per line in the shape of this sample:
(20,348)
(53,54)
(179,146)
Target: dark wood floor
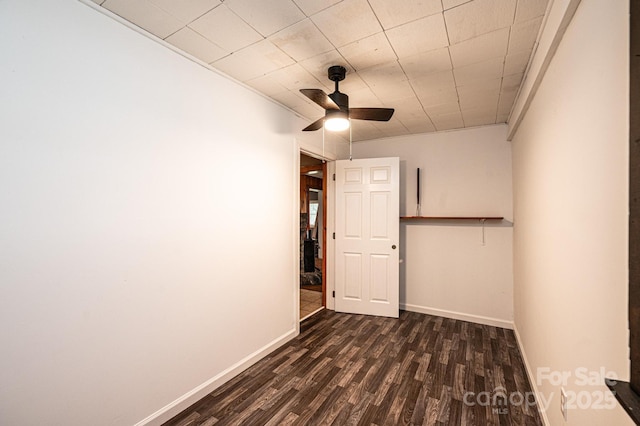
(355,369)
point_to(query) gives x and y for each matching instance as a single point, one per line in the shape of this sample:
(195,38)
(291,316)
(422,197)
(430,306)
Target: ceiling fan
(336,105)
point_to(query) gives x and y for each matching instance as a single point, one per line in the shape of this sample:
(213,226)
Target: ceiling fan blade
(319,97)
(314,126)
(375,114)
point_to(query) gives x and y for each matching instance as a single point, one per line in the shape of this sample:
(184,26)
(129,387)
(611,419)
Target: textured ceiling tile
(450,4)
(368,52)
(408,109)
(503,116)
(479,117)
(226,29)
(516,62)
(524,35)
(479,97)
(256,60)
(351,83)
(391,128)
(294,78)
(481,86)
(196,45)
(390,72)
(483,113)
(419,65)
(403,131)
(364,130)
(312,112)
(294,100)
(503,113)
(418,125)
(319,64)
(478,17)
(398,12)
(427,84)
(266,17)
(347,21)
(448,121)
(486,70)
(512,82)
(186,10)
(364,98)
(529,9)
(487,104)
(505,103)
(432,31)
(365,135)
(443,109)
(410,67)
(441,96)
(146,15)
(507,98)
(482,48)
(302,40)
(364,125)
(393,91)
(267,85)
(311,7)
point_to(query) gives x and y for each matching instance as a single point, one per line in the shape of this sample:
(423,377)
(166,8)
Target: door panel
(367,232)
(353,276)
(379,277)
(353,215)
(379,218)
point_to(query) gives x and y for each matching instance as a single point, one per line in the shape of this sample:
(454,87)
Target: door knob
(393,247)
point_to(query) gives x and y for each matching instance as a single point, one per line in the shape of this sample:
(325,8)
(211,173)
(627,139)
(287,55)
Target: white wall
(126,232)
(446,270)
(570,162)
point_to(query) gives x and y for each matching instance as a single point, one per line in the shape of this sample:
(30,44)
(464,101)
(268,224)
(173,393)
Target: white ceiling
(442,64)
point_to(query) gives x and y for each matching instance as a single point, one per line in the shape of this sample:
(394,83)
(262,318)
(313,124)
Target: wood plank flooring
(348,369)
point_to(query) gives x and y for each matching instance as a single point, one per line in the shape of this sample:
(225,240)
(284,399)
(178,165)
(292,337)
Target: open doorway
(312,235)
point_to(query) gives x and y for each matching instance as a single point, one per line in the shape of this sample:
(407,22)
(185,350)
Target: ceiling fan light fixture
(336,121)
(338,115)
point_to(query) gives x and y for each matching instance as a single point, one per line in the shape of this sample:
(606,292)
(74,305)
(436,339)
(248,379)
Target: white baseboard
(530,375)
(495,322)
(172,409)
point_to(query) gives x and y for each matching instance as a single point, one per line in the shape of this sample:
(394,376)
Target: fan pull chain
(350,139)
(323,157)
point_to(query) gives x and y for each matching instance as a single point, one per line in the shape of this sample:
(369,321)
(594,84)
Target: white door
(367,236)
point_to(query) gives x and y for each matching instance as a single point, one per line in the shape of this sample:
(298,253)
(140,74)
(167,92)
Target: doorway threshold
(312,313)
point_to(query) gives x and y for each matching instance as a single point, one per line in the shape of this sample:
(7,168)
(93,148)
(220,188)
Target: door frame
(323,168)
(328,218)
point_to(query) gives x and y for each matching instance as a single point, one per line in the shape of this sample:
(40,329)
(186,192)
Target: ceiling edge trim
(556,23)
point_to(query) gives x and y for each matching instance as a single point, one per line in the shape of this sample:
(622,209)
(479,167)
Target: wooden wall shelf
(476,218)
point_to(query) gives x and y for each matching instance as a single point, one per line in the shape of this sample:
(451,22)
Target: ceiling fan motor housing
(341,99)
(336,73)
